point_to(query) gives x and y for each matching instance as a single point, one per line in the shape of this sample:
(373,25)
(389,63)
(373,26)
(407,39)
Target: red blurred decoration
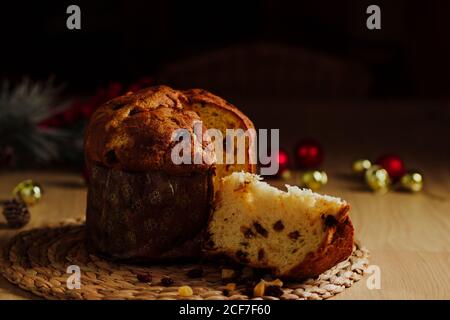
(309,154)
(283,160)
(393,164)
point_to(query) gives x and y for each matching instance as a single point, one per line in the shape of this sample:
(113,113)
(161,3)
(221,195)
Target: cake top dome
(134,132)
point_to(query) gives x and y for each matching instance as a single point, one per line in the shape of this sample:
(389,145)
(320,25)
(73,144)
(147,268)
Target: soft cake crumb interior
(266,227)
(221,119)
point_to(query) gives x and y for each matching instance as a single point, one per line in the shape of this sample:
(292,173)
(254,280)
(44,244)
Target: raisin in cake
(297,234)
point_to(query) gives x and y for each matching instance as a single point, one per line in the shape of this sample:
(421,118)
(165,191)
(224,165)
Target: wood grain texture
(408,235)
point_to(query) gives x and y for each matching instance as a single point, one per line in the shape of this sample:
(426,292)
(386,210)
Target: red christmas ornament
(87,110)
(283,161)
(309,154)
(393,164)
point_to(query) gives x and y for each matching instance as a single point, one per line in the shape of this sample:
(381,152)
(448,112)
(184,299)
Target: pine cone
(16,213)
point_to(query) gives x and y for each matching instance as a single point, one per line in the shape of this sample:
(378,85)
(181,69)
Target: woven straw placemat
(37,261)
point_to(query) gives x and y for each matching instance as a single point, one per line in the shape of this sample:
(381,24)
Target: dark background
(124,40)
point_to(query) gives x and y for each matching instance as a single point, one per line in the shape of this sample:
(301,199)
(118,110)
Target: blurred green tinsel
(24,140)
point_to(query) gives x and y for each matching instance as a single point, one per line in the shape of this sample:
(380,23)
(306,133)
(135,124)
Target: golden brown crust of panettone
(336,247)
(203,97)
(133,132)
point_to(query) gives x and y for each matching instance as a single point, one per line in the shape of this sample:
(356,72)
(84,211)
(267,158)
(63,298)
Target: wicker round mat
(37,261)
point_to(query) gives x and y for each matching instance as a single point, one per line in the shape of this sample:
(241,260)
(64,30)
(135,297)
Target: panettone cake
(140,204)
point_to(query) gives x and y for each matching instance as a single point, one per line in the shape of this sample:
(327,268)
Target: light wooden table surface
(408,235)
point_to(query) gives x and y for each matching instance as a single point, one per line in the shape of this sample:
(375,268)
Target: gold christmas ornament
(378,179)
(360,166)
(313,179)
(412,181)
(28,191)
(286,174)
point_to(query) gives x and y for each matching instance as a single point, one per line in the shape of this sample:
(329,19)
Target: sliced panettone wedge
(297,234)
